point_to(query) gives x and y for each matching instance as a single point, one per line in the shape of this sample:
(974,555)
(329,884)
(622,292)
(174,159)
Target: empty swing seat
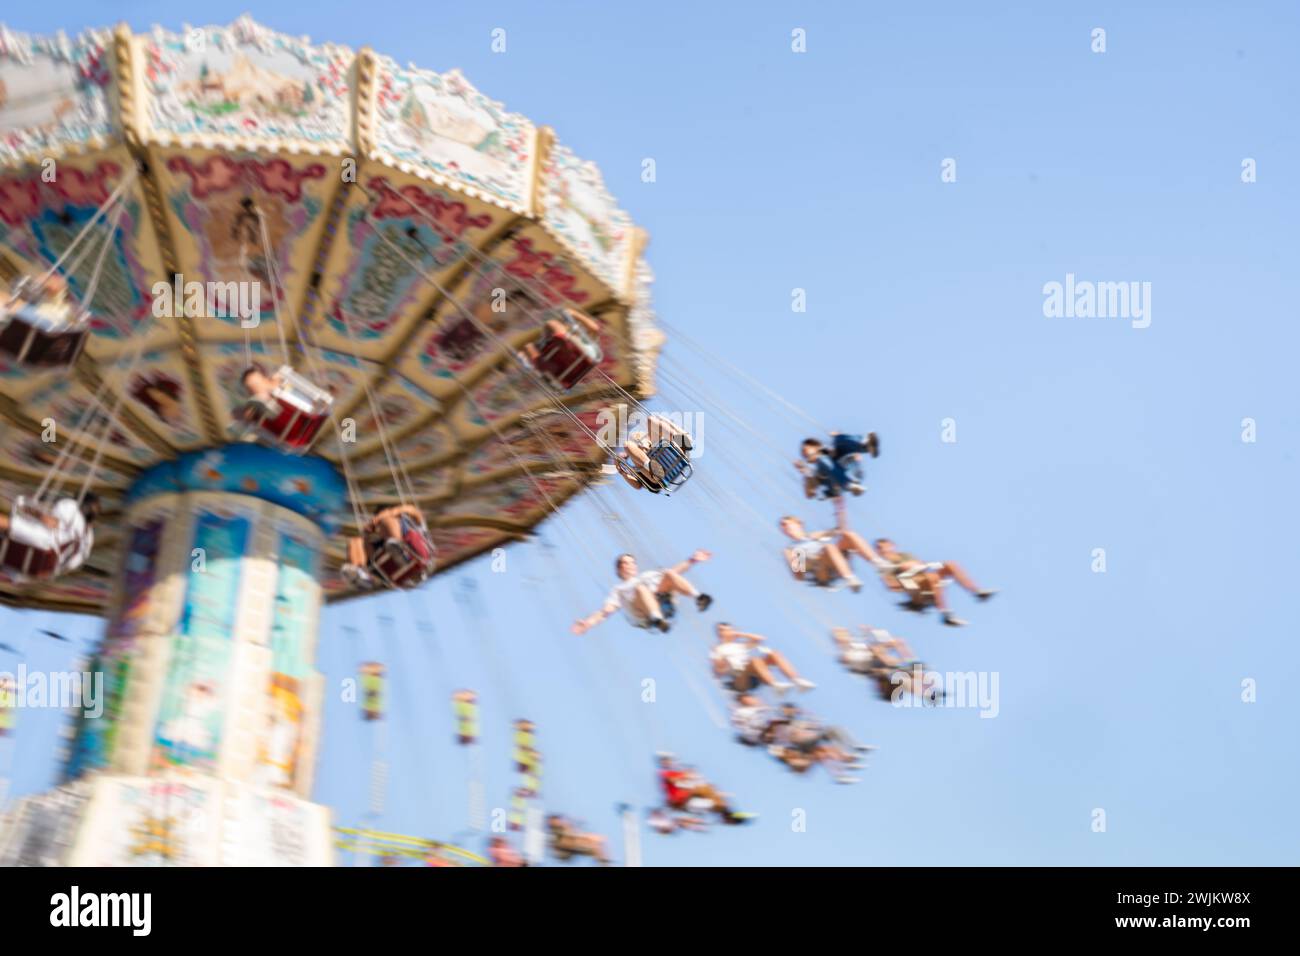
(28,550)
(564,359)
(416,562)
(299,410)
(49,334)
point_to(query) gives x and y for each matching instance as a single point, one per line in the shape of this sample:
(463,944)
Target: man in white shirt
(647,598)
(742,665)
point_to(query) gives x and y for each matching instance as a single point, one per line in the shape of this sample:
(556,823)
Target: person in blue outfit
(831,469)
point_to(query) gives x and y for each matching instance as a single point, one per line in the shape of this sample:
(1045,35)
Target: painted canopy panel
(248,82)
(56,93)
(441,123)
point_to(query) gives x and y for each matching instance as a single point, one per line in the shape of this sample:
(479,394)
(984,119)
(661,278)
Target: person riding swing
(40,326)
(657,459)
(394,547)
(646,597)
(287,410)
(831,469)
(39,542)
(567,350)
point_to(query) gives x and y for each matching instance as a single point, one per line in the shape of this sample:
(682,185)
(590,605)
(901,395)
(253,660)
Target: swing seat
(564,359)
(920,596)
(43,335)
(918,600)
(299,410)
(416,563)
(20,553)
(673,465)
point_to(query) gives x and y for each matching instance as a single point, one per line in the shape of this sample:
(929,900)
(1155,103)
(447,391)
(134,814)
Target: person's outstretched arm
(585,624)
(683,566)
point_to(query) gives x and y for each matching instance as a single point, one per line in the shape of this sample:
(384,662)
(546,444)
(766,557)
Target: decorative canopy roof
(358,167)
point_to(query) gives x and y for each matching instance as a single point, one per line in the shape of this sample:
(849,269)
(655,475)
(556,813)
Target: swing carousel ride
(451,298)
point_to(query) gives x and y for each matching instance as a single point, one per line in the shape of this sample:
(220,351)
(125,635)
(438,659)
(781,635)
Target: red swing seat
(20,559)
(42,334)
(416,563)
(299,410)
(565,359)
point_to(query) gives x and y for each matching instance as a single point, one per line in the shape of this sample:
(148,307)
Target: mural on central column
(296,596)
(96,735)
(193,704)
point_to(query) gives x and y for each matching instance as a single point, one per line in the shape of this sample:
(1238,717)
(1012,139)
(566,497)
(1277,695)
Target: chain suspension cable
(315,369)
(709,709)
(110,419)
(557,295)
(422,614)
(505,346)
(93,285)
(713,357)
(99,213)
(97,398)
(272,271)
(487,331)
(568,527)
(396,469)
(660,550)
(248,330)
(77,438)
(693,387)
(55,475)
(551,293)
(725,504)
(580,663)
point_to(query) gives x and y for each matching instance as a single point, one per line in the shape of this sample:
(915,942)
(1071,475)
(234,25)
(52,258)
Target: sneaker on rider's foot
(856,488)
(702,602)
(873,445)
(952,620)
(356,576)
(395,548)
(845,778)
(666,606)
(662,625)
(854,583)
(781,686)
(804,683)
(984,595)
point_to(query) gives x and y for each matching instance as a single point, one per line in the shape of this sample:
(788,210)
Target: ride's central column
(205,748)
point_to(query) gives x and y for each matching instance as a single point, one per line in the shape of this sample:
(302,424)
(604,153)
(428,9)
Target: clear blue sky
(821,171)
